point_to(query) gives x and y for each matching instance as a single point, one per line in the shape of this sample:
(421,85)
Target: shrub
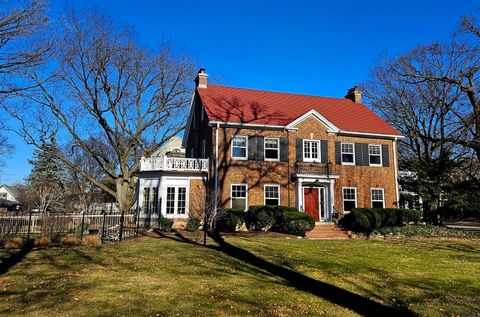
(260,218)
(69,240)
(357,220)
(14,243)
(294,222)
(193,224)
(165,224)
(230,220)
(389,217)
(42,242)
(91,240)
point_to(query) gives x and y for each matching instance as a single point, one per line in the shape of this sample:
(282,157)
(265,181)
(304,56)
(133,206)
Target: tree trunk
(122,186)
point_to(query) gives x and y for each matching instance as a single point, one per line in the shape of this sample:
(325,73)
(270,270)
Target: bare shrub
(14,243)
(91,240)
(42,242)
(69,240)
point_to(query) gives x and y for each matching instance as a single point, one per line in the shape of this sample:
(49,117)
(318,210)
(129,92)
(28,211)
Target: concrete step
(327,231)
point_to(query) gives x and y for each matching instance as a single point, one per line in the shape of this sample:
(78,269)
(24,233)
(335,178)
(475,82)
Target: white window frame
(246,194)
(265,193)
(246,148)
(265,150)
(353,153)
(383,196)
(309,159)
(175,200)
(343,198)
(381,156)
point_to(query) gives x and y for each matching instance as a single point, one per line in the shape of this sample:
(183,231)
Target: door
(311,202)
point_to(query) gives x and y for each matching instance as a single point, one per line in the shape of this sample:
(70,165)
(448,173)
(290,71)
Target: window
(378,200)
(375,154)
(272,195)
(239,147)
(272,152)
(3,196)
(176,200)
(348,158)
(204,148)
(239,197)
(155,200)
(311,151)
(146,199)
(170,200)
(349,199)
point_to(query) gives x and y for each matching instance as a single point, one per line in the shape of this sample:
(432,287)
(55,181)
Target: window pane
(377,204)
(349,193)
(374,149)
(181,200)
(170,200)
(155,200)
(146,199)
(375,159)
(271,202)
(239,152)
(347,147)
(348,205)
(377,194)
(239,191)
(311,149)
(347,158)
(239,203)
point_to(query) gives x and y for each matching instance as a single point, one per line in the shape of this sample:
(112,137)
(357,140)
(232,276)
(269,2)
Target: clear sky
(312,47)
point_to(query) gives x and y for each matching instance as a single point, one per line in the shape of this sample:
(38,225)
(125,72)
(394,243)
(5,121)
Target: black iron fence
(109,227)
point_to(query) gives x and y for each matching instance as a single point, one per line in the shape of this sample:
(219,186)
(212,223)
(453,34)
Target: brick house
(321,155)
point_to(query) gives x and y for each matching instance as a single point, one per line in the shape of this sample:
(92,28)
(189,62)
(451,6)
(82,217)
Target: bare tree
(106,87)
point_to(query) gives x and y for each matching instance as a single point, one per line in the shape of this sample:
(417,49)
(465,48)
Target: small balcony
(164,163)
(313,168)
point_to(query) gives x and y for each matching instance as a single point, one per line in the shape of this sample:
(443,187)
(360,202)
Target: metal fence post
(103,226)
(29,226)
(122,219)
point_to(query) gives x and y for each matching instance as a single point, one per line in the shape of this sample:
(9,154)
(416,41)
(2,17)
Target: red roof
(239,105)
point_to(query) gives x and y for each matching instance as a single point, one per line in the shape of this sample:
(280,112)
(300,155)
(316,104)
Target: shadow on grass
(14,258)
(333,294)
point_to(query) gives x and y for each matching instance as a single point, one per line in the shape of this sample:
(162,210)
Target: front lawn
(242,276)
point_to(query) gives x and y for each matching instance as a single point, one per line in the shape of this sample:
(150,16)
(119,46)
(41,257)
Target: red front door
(310,200)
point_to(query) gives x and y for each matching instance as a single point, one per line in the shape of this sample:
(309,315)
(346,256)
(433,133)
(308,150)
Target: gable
(310,116)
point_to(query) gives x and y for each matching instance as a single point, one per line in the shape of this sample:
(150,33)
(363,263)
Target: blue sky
(312,47)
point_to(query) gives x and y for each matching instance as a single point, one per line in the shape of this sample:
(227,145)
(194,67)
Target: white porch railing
(165,163)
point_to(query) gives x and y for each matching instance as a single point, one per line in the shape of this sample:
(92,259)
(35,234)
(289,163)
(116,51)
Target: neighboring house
(173,148)
(9,198)
(321,155)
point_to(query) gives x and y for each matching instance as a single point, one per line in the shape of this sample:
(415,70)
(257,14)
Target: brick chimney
(201,79)
(354,94)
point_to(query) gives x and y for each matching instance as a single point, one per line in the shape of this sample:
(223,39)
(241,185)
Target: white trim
(397,198)
(343,198)
(371,196)
(265,150)
(322,177)
(189,121)
(381,155)
(247,125)
(353,153)
(246,194)
(319,158)
(265,191)
(313,113)
(246,148)
(378,135)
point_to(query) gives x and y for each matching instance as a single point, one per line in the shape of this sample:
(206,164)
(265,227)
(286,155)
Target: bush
(164,224)
(14,243)
(367,220)
(69,240)
(42,242)
(262,218)
(193,224)
(230,220)
(91,240)
(293,222)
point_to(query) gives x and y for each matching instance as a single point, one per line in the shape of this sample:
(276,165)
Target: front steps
(327,231)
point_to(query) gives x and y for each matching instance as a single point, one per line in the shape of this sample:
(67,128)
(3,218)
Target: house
(324,156)
(9,198)
(173,148)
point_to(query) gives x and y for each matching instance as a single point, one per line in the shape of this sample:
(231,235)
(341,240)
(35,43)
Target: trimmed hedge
(278,218)
(367,220)
(230,220)
(294,222)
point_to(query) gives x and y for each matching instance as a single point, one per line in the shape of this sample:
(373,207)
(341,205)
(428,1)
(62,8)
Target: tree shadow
(331,293)
(14,258)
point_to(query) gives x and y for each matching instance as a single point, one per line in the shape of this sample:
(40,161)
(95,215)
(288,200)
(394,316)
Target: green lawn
(246,276)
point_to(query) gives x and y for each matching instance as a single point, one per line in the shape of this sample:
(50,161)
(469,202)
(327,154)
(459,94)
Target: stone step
(327,231)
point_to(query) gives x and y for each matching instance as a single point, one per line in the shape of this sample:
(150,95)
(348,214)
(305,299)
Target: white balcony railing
(165,163)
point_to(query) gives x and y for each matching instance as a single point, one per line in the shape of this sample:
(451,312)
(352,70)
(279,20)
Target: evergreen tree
(47,179)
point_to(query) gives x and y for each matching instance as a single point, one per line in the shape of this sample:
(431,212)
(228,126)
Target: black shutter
(385,156)
(366,157)
(324,151)
(260,148)
(284,149)
(358,154)
(252,148)
(338,153)
(299,146)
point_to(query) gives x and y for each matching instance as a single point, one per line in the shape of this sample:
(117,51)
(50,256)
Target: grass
(166,277)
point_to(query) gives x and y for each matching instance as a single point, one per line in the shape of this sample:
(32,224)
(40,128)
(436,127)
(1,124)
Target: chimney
(354,95)
(201,79)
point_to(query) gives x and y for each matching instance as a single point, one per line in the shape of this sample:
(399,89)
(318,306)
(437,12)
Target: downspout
(288,167)
(397,199)
(216,168)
